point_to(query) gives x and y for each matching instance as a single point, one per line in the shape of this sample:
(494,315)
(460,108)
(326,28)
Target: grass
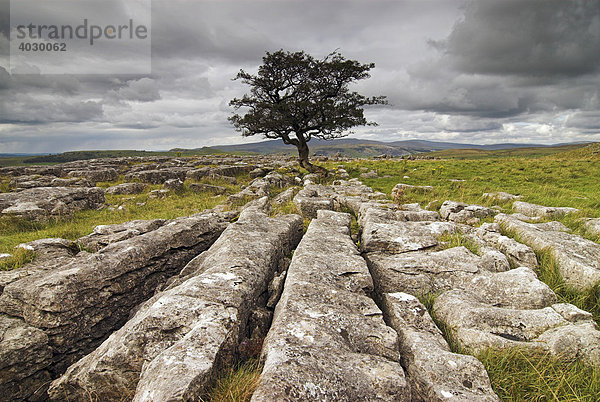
(561,179)
(16,231)
(548,272)
(458,239)
(236,384)
(519,375)
(525,375)
(284,209)
(19,257)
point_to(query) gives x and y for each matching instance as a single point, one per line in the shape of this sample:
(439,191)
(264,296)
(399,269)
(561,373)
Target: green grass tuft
(457,239)
(548,272)
(236,384)
(519,375)
(19,257)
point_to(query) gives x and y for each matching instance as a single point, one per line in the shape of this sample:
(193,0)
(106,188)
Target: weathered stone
(285,196)
(31,181)
(423,272)
(96,175)
(103,235)
(592,226)
(80,303)
(25,358)
(518,254)
(328,340)
(308,202)
(49,254)
(258,172)
(160,193)
(434,372)
(477,325)
(207,188)
(259,187)
(173,184)
(464,213)
(227,179)
(175,343)
(529,209)
(42,203)
(493,260)
(578,259)
(517,288)
(157,176)
(126,188)
(501,196)
(402,237)
(371,174)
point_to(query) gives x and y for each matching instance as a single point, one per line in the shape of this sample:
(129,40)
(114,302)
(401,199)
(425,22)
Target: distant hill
(366,148)
(350,147)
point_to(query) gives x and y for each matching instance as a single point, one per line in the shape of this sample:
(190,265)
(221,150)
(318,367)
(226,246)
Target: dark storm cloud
(470,71)
(531,38)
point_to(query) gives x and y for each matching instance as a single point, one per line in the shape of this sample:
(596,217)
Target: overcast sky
(486,71)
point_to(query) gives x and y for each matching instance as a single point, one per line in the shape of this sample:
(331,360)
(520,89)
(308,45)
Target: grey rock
(592,226)
(578,258)
(173,185)
(285,196)
(77,305)
(175,343)
(518,254)
(434,372)
(24,360)
(493,260)
(103,235)
(402,237)
(328,340)
(517,288)
(157,176)
(126,188)
(535,210)
(96,175)
(207,188)
(160,193)
(423,272)
(258,172)
(49,254)
(371,174)
(477,325)
(227,179)
(464,213)
(31,181)
(260,186)
(308,202)
(42,203)
(275,289)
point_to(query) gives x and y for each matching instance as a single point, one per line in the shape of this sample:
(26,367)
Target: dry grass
(236,384)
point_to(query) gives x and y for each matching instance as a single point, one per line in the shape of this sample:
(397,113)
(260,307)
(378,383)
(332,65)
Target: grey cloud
(584,120)
(534,37)
(491,71)
(142,90)
(21,108)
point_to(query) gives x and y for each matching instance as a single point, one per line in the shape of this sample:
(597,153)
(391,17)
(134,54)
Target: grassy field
(555,177)
(120,208)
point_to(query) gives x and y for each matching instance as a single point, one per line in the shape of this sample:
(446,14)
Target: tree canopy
(296,97)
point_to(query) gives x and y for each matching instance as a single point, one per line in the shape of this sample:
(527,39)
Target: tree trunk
(305,163)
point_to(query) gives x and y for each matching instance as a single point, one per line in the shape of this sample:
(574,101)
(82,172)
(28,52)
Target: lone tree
(296,97)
